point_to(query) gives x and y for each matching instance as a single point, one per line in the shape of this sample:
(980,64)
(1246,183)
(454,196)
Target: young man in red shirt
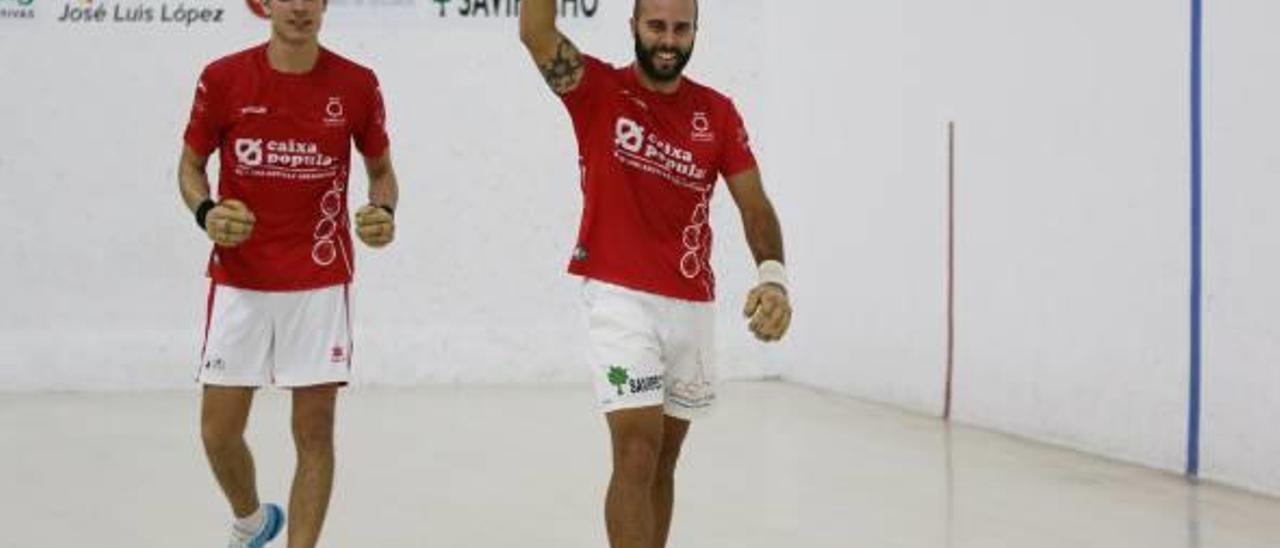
(282,117)
(651,145)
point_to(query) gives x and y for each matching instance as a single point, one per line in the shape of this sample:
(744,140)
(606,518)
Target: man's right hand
(229,223)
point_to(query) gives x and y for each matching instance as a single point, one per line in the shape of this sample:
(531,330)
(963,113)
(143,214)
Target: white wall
(103,268)
(1242,245)
(863,173)
(1072,267)
(1072,223)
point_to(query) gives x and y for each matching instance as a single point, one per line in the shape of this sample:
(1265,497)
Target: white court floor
(779,466)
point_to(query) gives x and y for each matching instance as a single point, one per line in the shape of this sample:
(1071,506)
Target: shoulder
(720,106)
(709,95)
(349,70)
(598,78)
(595,62)
(220,76)
(602,69)
(232,64)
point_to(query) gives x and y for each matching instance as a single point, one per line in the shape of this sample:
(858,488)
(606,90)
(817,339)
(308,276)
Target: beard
(646,57)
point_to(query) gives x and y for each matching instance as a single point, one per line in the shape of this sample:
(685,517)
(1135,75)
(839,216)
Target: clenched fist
(375,226)
(229,223)
(769,310)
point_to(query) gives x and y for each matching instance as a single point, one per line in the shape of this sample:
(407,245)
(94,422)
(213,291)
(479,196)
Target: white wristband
(773,272)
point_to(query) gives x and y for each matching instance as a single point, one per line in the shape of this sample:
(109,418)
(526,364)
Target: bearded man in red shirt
(652,145)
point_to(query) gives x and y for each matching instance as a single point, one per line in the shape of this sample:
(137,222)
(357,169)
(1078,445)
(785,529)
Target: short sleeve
(582,100)
(736,155)
(371,135)
(208,114)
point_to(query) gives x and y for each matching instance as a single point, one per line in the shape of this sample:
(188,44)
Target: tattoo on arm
(563,71)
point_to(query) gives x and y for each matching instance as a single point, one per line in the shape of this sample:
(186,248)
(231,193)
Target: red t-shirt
(284,144)
(649,163)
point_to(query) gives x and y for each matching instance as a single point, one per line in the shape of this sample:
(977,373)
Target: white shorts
(648,350)
(286,339)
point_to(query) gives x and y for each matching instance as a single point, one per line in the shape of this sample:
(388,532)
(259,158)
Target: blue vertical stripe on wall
(1193,404)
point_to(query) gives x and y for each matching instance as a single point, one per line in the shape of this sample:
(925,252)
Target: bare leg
(637,441)
(224,412)
(313,417)
(673,434)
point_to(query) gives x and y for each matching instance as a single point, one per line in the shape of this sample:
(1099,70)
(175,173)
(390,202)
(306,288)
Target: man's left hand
(769,309)
(375,226)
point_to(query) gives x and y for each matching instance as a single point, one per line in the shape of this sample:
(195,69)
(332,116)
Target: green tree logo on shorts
(618,377)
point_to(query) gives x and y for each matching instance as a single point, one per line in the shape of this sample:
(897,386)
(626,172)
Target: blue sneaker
(271,527)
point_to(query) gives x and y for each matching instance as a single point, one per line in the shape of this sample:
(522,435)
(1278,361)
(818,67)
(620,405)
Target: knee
(636,458)
(220,436)
(667,459)
(313,434)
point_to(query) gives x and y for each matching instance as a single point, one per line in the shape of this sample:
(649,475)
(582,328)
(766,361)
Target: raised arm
(556,57)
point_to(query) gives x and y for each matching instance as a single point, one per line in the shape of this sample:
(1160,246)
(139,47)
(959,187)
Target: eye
(657,26)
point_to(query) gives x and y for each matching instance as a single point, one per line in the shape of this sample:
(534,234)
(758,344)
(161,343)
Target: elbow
(534,32)
(526,29)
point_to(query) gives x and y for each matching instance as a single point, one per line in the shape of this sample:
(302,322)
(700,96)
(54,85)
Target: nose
(667,40)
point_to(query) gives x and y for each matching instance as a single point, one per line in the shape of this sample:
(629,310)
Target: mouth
(667,56)
(300,26)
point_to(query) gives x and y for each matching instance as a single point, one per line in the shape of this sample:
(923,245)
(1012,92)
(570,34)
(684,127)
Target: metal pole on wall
(951,266)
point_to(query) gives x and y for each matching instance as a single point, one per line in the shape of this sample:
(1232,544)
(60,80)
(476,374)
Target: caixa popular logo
(284,154)
(629,135)
(249,152)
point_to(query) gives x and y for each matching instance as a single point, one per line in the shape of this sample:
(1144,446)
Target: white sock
(248,526)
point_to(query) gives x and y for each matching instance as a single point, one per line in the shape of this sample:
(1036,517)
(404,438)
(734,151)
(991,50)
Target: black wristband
(202,211)
(390,210)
